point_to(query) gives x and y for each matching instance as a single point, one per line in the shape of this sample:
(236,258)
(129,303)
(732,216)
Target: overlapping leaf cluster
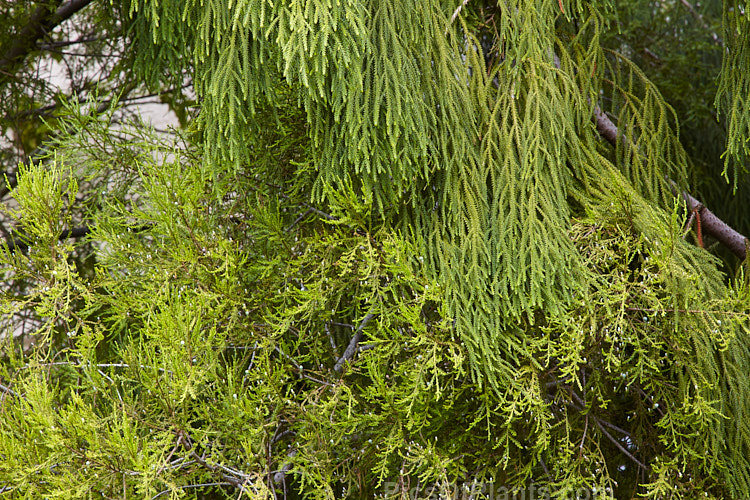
(386,259)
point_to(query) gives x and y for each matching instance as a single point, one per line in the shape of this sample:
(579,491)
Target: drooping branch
(710,223)
(43,20)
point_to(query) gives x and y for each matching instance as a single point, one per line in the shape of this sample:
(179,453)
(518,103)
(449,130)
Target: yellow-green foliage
(529,311)
(476,163)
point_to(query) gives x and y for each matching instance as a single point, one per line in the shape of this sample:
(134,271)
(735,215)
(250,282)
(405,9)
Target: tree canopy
(394,249)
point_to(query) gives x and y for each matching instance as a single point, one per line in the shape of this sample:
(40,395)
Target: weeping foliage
(391,256)
(734,87)
(476,162)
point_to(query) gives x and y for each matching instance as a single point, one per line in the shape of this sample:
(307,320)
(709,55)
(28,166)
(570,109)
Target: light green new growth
(476,163)
(426,176)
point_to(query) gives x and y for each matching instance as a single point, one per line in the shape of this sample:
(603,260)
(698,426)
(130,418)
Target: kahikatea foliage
(391,256)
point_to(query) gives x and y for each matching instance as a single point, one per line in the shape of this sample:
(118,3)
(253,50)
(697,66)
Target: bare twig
(200,485)
(614,427)
(330,337)
(8,390)
(544,466)
(42,21)
(300,369)
(352,347)
(280,474)
(231,477)
(601,423)
(620,446)
(298,219)
(68,43)
(458,11)
(89,365)
(583,439)
(17,243)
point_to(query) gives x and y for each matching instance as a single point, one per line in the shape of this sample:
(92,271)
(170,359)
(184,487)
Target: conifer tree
(396,249)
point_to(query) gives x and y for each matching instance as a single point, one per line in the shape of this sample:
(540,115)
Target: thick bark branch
(717,228)
(710,223)
(43,20)
(606,128)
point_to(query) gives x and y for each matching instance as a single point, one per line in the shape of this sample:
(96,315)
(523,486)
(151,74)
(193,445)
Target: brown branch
(698,229)
(709,223)
(607,129)
(43,20)
(716,227)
